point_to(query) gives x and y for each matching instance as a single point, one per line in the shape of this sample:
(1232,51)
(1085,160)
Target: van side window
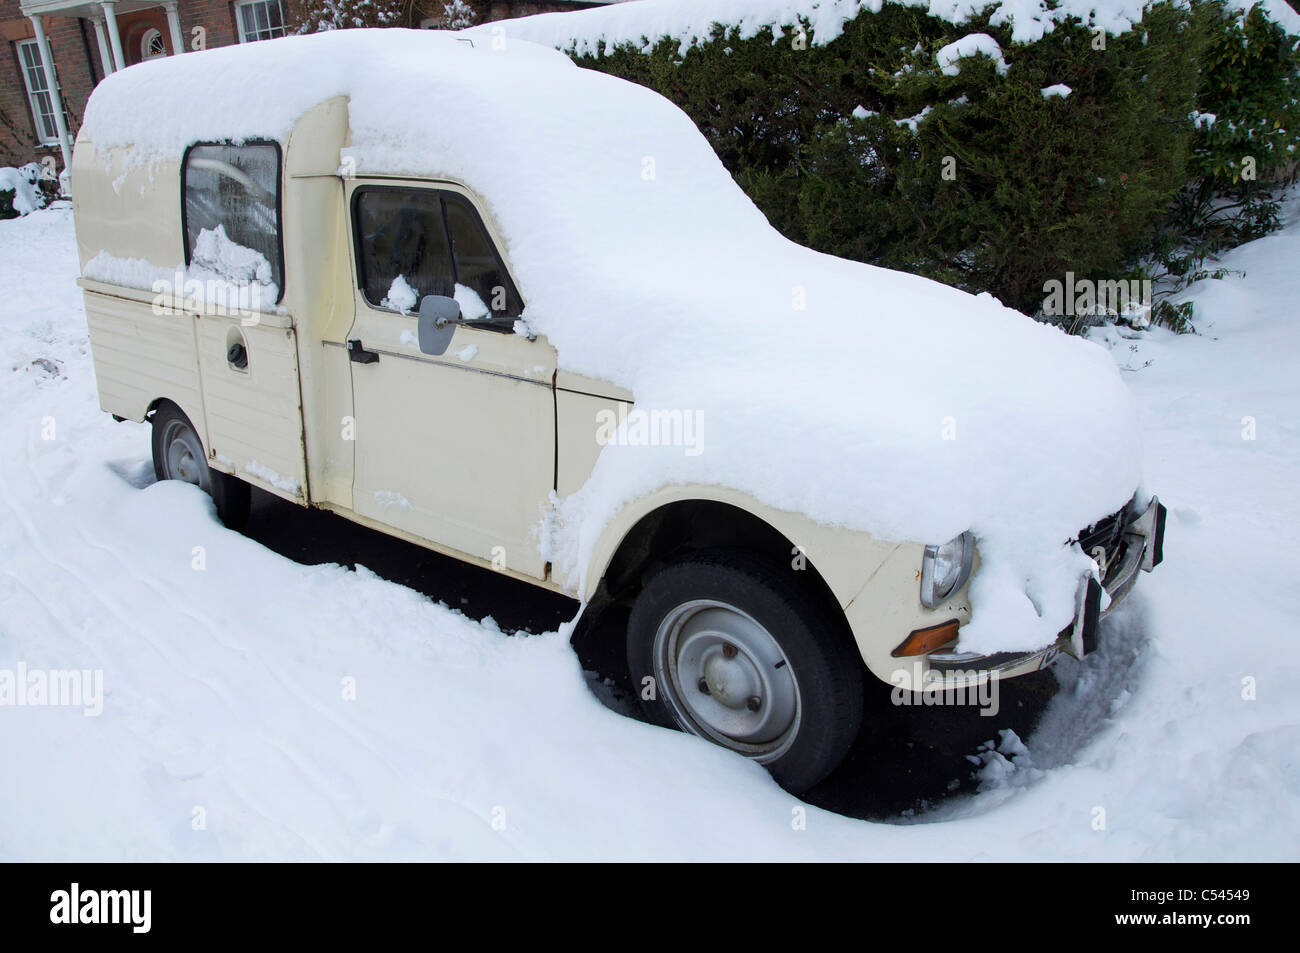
(478,266)
(400,234)
(234,191)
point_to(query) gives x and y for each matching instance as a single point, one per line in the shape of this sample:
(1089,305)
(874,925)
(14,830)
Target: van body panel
(254,414)
(461,451)
(318,263)
(578,414)
(128,211)
(580,383)
(843,557)
(141,355)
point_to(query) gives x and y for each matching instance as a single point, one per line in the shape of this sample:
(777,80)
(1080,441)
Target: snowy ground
(258,708)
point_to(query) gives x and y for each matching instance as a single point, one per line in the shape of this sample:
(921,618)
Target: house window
(38,93)
(260,20)
(152,45)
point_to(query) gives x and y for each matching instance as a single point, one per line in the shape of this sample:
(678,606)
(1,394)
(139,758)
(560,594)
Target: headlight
(945,569)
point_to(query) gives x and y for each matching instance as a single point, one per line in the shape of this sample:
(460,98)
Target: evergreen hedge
(1169,147)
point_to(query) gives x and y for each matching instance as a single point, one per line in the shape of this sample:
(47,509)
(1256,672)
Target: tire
(178,455)
(741,655)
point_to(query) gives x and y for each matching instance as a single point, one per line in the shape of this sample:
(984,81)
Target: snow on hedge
(974,44)
(24,183)
(863,397)
(688,21)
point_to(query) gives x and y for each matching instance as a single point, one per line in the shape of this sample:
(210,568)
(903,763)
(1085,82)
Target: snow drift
(865,398)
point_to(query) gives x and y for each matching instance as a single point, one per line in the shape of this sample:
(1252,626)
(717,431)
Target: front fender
(844,558)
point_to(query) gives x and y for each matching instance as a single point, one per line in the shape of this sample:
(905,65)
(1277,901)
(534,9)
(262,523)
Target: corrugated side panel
(142,353)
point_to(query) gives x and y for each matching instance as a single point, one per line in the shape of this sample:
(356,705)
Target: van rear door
(244,337)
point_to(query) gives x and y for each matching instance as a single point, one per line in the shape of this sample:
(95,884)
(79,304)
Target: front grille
(1108,536)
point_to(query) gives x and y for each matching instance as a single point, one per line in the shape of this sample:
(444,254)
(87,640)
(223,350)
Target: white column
(174,26)
(114,38)
(105,55)
(52,84)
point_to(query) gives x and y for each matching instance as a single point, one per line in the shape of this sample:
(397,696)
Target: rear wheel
(178,455)
(743,656)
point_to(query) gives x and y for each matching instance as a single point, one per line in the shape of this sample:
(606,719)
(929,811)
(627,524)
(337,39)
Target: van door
(459,448)
(246,348)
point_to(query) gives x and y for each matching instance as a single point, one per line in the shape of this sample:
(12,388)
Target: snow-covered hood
(859,396)
(870,399)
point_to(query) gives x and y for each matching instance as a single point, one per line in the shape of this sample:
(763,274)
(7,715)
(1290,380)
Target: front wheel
(738,653)
(178,455)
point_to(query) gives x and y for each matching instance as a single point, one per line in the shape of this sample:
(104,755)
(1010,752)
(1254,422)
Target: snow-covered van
(460,290)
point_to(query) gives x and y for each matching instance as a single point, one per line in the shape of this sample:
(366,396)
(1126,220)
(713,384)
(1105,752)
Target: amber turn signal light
(926,640)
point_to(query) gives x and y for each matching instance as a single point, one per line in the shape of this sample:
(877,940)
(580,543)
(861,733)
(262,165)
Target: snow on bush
(862,397)
(974,44)
(690,21)
(325,15)
(24,183)
(457,14)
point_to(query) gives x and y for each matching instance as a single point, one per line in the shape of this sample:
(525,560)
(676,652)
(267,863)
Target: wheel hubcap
(183,455)
(726,678)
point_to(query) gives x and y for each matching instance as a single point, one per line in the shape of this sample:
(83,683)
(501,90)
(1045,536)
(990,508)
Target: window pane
(478,266)
(238,188)
(400,233)
(32,62)
(261,20)
(49,128)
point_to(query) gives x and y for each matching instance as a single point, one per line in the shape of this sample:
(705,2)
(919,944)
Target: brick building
(70,45)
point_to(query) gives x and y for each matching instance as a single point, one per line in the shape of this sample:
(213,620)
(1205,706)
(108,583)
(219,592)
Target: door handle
(359,355)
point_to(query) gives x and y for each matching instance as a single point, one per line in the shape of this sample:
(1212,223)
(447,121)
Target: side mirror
(439,316)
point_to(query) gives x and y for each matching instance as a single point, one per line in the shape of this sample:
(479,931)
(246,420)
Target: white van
(517,312)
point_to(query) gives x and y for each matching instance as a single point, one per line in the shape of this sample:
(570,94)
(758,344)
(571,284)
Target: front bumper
(1136,542)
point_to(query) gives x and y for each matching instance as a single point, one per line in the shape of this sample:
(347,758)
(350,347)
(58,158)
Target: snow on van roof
(246,90)
(689,21)
(862,397)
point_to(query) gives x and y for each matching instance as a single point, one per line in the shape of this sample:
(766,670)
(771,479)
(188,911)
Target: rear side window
(231,197)
(416,242)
